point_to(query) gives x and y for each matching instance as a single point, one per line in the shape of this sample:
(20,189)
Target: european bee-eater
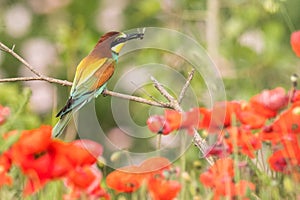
(92,75)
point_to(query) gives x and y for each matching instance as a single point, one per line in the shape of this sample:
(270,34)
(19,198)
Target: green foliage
(73,30)
(17,99)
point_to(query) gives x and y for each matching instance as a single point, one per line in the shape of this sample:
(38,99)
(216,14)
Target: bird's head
(120,40)
(111,43)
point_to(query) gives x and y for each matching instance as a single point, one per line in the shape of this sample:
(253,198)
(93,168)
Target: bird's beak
(132,36)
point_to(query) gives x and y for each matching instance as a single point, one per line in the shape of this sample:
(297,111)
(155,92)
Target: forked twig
(186,85)
(199,142)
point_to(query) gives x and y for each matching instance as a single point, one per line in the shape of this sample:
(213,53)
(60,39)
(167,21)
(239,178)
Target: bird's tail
(61,125)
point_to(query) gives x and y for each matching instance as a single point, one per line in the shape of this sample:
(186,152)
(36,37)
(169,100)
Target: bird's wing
(90,77)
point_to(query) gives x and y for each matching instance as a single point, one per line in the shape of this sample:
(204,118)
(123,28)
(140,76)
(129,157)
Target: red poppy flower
(130,178)
(291,145)
(82,177)
(267,134)
(289,120)
(268,102)
(205,116)
(295,42)
(219,149)
(287,159)
(42,159)
(220,176)
(278,162)
(296,96)
(248,116)
(5,164)
(221,168)
(244,139)
(125,179)
(223,112)
(173,118)
(32,141)
(76,155)
(242,186)
(162,189)
(285,162)
(30,154)
(4,113)
(85,180)
(224,187)
(159,124)
(220,116)
(94,148)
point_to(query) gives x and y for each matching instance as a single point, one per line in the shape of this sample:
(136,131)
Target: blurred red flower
(4,113)
(273,100)
(158,124)
(219,117)
(295,42)
(125,179)
(173,120)
(242,186)
(220,176)
(42,158)
(250,118)
(163,189)
(151,171)
(263,106)
(85,180)
(287,159)
(129,178)
(5,164)
(242,138)
(288,122)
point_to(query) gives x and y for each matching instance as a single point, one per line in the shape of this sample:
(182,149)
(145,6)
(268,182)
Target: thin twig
(11,51)
(186,85)
(174,103)
(48,79)
(31,68)
(149,95)
(3,80)
(199,142)
(136,99)
(202,146)
(105,92)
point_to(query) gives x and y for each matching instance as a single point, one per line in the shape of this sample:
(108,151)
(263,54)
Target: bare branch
(186,85)
(31,68)
(150,96)
(11,51)
(44,78)
(3,80)
(199,142)
(174,103)
(136,99)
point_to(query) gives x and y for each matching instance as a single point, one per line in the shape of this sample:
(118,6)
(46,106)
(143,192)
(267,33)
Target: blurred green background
(248,41)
